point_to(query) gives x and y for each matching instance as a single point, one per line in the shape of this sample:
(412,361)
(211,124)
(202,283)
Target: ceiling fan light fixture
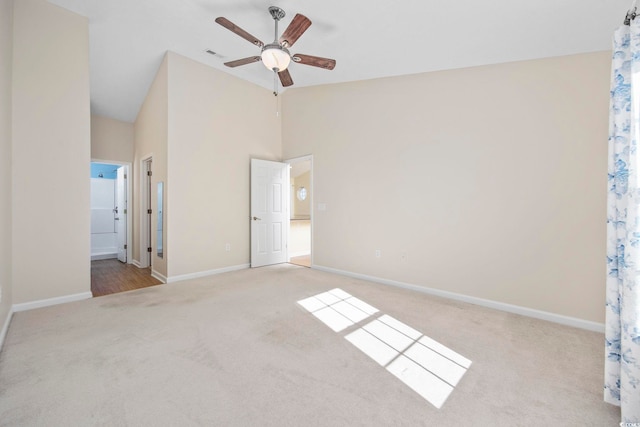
(275,57)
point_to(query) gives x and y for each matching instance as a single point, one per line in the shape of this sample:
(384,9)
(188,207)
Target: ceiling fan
(275,56)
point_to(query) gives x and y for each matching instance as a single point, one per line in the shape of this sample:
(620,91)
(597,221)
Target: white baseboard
(136,263)
(51,301)
(178,278)
(158,276)
(510,308)
(5,327)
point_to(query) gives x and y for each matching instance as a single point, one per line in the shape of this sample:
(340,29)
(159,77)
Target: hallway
(110,276)
(303,261)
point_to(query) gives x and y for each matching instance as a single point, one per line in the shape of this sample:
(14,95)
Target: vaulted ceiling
(368,39)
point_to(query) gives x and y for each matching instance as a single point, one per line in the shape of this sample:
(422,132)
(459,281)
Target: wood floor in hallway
(303,261)
(109,276)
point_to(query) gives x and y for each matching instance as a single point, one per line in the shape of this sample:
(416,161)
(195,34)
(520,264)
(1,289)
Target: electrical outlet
(378,253)
(227,247)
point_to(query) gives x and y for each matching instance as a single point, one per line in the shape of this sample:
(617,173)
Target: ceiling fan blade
(239,31)
(285,78)
(315,61)
(243,61)
(296,28)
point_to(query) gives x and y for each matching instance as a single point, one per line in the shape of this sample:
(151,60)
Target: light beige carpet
(236,349)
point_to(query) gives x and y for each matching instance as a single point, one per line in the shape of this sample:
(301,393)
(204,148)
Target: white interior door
(269,212)
(121,213)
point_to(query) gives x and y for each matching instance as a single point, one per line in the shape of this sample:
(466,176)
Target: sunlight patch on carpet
(337,309)
(428,367)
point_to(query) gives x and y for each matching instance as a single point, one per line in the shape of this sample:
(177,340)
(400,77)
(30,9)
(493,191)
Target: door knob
(255,218)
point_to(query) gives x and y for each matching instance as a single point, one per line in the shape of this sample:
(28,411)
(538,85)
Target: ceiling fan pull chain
(275,92)
(275,82)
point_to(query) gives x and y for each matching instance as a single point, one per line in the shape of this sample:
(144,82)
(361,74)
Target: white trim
(143,197)
(510,308)
(158,276)
(5,328)
(136,263)
(188,276)
(110,162)
(51,301)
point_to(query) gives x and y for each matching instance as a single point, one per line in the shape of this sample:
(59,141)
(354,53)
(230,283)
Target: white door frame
(122,213)
(144,204)
(311,205)
(129,197)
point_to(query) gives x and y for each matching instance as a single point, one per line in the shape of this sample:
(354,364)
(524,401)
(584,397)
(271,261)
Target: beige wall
(217,123)
(51,126)
(6,39)
(111,139)
(492,179)
(150,139)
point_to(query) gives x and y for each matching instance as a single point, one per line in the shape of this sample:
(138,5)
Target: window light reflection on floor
(429,368)
(337,309)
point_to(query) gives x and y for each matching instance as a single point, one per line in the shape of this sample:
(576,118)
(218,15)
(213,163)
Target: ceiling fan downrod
(277,14)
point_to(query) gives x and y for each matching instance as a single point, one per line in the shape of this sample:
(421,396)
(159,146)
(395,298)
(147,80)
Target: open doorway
(300,212)
(111,231)
(110,222)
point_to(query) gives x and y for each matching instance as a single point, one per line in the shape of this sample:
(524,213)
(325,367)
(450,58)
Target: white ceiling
(368,39)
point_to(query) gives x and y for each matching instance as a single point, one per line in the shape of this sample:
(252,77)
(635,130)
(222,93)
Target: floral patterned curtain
(622,328)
